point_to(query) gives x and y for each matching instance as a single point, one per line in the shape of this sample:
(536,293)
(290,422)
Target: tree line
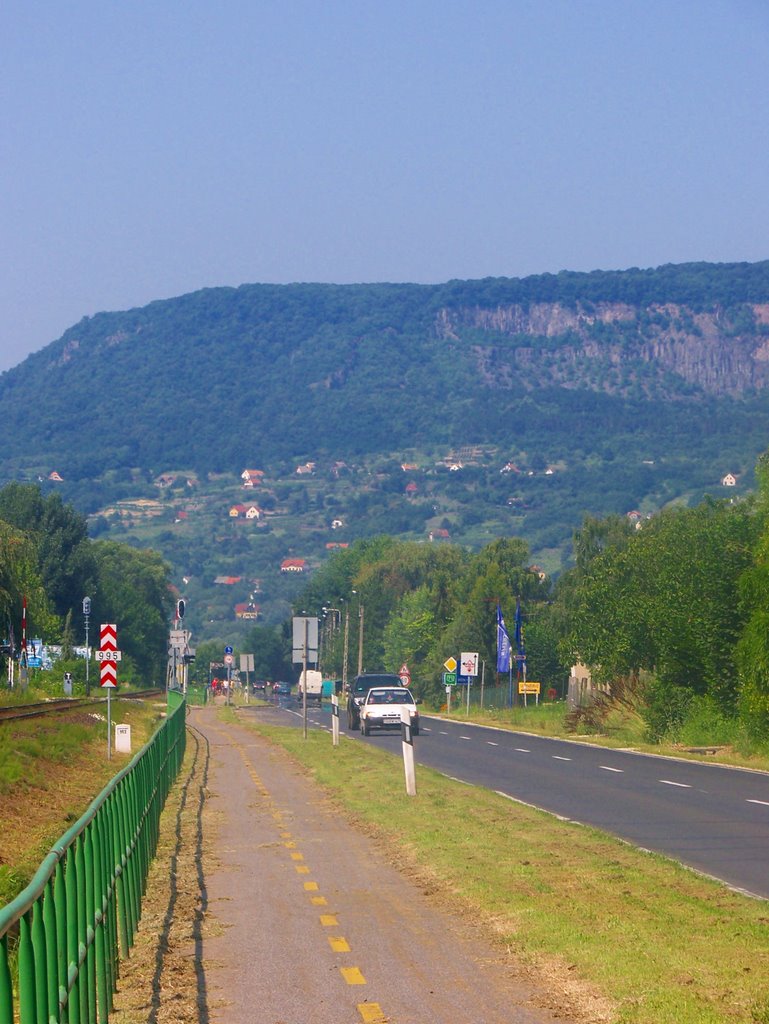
(48,561)
(677,609)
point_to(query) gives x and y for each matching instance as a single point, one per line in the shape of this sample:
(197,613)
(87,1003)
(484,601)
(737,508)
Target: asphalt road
(712,818)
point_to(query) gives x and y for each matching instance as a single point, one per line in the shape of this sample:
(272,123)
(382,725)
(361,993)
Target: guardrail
(61,938)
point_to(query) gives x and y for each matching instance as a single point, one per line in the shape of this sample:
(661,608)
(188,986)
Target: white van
(314,681)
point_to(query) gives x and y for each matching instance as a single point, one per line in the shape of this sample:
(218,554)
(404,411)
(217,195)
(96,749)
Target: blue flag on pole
(503,644)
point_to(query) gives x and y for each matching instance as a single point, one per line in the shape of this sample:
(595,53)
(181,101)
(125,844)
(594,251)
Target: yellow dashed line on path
(352,975)
(371,1013)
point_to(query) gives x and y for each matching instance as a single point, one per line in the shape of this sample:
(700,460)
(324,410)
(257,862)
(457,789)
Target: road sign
(228,659)
(108,674)
(404,675)
(450,664)
(528,687)
(468,661)
(108,654)
(304,631)
(450,678)
(228,650)
(108,636)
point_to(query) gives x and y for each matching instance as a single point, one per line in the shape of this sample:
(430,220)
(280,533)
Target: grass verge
(50,771)
(583,910)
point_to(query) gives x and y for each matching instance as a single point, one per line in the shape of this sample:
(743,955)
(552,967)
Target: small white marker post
(408,752)
(335,719)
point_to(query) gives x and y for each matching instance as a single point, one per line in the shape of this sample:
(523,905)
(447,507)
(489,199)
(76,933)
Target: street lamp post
(86,614)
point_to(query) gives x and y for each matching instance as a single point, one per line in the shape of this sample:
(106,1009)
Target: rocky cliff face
(616,347)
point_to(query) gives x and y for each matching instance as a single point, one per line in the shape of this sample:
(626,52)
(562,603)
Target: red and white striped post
(109,655)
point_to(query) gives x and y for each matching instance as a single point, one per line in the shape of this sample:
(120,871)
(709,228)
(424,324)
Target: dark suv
(358,689)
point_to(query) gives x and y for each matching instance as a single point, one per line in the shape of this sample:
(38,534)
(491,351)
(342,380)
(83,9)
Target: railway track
(54,707)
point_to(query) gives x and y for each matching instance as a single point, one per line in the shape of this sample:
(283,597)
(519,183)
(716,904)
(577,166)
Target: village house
(333,544)
(252,477)
(227,581)
(440,534)
(236,511)
(53,475)
(411,489)
(307,469)
(409,467)
(293,565)
(247,610)
(730,480)
(253,512)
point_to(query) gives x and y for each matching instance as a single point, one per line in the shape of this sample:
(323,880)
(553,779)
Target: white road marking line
(442,732)
(491,743)
(764,803)
(522,750)
(681,785)
(465,737)
(606,768)
(557,757)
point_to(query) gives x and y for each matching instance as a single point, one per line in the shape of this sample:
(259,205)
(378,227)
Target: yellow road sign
(450,664)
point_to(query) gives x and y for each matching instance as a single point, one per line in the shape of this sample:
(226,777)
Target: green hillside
(523,404)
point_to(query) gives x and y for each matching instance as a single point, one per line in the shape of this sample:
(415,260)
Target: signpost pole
(304,679)
(335,720)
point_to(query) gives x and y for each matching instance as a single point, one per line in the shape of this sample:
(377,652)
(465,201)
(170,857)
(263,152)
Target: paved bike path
(317,926)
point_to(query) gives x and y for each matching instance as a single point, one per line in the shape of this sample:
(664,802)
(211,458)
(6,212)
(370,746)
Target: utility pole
(360,638)
(346,646)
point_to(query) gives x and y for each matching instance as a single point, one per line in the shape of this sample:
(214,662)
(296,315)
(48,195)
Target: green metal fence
(61,938)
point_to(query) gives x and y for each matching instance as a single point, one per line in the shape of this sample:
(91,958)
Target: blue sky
(150,149)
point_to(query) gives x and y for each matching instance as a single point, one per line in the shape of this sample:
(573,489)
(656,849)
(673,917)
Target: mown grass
(658,942)
(50,771)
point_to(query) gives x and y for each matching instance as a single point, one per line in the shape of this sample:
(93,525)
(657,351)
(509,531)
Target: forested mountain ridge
(227,376)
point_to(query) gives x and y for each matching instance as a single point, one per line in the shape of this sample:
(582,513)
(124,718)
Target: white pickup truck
(314,681)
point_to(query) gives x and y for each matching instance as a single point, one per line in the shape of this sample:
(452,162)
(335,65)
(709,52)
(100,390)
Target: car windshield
(364,683)
(389,697)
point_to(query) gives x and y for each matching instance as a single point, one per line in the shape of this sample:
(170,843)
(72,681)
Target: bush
(666,708)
